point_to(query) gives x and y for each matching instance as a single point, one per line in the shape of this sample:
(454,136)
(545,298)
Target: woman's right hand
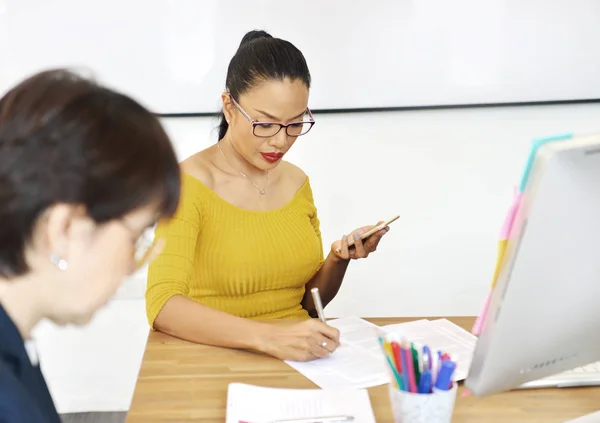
(304,341)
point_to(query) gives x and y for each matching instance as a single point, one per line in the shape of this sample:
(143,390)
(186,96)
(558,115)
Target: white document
(255,404)
(356,364)
(588,418)
(359,362)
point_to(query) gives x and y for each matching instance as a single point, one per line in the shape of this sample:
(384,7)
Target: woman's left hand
(361,248)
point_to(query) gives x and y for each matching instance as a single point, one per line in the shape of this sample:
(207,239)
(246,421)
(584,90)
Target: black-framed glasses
(270,129)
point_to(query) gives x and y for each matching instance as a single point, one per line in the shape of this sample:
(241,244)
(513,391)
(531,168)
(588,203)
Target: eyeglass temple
(153,251)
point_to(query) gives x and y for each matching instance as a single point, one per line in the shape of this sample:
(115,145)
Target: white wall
(448,173)
(175,57)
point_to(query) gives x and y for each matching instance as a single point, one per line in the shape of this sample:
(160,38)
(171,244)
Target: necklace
(262,191)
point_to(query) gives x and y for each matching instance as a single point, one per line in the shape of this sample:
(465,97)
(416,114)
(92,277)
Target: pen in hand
(318,304)
(319,307)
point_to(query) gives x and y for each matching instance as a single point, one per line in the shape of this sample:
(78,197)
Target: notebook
(257,404)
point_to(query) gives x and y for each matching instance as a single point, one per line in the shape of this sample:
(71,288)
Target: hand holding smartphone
(367,234)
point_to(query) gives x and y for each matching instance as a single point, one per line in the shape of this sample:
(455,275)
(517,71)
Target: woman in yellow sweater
(244,247)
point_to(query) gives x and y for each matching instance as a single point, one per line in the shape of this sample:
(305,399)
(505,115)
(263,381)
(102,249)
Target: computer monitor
(544,314)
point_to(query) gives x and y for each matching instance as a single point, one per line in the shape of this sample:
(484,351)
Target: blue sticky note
(534,148)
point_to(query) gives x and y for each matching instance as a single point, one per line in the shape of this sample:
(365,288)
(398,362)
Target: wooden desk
(184,382)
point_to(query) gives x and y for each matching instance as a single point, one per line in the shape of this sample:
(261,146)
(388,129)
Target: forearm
(328,279)
(189,320)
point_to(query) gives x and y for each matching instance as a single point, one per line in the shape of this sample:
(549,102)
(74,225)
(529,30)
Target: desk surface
(184,382)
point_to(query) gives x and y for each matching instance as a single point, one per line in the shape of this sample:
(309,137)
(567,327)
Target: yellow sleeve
(314,219)
(170,273)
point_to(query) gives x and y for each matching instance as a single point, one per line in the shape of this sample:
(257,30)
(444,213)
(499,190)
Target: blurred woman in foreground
(85,173)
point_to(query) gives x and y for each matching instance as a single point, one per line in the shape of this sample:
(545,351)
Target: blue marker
(439,365)
(425,382)
(445,375)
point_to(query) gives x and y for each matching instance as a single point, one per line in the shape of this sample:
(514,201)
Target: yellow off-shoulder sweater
(252,264)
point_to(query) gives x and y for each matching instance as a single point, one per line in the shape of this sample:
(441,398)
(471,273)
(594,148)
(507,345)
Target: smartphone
(372,231)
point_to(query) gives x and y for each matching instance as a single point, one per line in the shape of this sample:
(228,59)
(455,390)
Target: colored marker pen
(390,361)
(404,374)
(412,383)
(397,355)
(425,382)
(416,367)
(444,378)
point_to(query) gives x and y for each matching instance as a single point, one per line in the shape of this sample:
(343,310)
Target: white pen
(319,307)
(327,419)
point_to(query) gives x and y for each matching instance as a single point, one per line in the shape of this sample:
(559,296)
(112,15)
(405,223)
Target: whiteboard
(172,55)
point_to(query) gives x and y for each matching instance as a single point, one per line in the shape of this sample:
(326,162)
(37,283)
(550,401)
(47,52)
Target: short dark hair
(261,57)
(67,139)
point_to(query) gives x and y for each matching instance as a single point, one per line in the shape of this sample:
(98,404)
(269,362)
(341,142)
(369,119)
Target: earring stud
(61,263)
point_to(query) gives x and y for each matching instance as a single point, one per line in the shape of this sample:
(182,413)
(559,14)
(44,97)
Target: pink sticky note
(518,202)
(480,321)
(509,220)
(505,233)
(465,393)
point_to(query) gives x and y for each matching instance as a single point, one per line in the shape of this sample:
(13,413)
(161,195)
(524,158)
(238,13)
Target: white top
(32,352)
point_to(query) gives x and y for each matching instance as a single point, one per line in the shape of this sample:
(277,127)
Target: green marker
(415,357)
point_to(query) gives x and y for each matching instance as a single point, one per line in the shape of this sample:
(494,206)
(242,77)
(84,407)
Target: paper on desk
(358,363)
(257,404)
(588,418)
(443,335)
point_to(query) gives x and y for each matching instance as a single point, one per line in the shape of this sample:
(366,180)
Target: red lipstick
(272,157)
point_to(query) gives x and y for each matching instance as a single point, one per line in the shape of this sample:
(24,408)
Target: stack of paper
(359,362)
(255,404)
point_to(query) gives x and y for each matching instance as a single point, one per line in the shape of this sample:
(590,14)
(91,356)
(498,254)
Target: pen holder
(436,407)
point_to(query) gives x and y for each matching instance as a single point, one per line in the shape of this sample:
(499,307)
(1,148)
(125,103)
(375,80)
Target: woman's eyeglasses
(270,129)
(146,247)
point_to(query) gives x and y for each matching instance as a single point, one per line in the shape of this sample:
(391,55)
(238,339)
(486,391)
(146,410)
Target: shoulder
(197,178)
(200,168)
(16,404)
(297,181)
(293,174)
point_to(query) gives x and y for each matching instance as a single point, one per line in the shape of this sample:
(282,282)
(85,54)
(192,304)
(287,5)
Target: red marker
(397,355)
